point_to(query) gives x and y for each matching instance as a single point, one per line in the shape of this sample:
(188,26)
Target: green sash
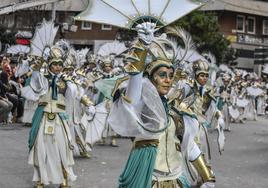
(38,115)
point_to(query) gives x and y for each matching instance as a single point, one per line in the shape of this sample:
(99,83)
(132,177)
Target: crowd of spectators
(11,102)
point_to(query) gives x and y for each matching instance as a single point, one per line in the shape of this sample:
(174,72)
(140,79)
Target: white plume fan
(186,53)
(113,48)
(43,39)
(71,58)
(18,49)
(64,45)
(128,13)
(213,68)
(225,68)
(210,57)
(82,55)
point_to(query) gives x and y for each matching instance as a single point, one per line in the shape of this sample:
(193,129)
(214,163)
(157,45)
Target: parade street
(243,164)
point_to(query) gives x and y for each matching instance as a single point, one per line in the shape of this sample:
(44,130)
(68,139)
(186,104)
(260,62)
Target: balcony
(252,39)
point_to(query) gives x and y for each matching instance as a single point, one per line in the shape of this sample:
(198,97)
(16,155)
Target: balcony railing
(252,39)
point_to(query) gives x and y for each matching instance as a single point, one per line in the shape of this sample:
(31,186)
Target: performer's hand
(146,32)
(90,111)
(208,185)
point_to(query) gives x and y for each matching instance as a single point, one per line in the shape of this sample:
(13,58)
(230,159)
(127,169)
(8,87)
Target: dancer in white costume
(105,85)
(142,112)
(224,93)
(238,94)
(50,139)
(75,110)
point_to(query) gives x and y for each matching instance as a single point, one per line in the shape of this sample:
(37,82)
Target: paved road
(244,163)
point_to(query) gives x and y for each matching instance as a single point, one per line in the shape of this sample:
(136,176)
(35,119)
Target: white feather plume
(43,38)
(18,49)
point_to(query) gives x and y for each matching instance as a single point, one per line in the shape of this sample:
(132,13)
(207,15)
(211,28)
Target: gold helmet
(70,60)
(56,52)
(162,54)
(200,66)
(226,77)
(55,61)
(106,60)
(180,74)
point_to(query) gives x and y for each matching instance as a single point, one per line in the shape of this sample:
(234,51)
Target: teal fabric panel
(38,115)
(139,168)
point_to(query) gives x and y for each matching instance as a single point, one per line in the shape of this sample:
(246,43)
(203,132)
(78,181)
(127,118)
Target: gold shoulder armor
(118,83)
(190,82)
(61,85)
(182,107)
(86,101)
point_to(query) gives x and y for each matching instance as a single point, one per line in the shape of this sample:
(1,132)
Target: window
(106,27)
(240,23)
(251,25)
(86,25)
(265,27)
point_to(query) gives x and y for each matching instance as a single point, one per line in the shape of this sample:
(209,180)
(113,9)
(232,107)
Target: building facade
(80,34)
(245,24)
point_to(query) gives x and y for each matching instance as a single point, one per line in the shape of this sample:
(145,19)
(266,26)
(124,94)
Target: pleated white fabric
(51,153)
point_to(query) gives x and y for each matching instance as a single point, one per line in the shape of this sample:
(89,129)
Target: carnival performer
(238,94)
(50,141)
(75,109)
(201,100)
(261,99)
(160,141)
(109,74)
(224,92)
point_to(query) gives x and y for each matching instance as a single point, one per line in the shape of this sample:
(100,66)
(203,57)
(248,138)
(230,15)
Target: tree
(126,36)
(205,33)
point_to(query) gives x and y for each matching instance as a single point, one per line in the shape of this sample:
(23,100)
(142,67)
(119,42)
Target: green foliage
(124,35)
(205,32)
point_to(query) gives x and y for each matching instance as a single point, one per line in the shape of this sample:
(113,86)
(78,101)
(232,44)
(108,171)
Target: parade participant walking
(74,93)
(224,92)
(157,129)
(49,140)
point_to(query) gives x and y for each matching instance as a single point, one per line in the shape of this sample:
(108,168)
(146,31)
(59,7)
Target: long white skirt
(29,109)
(51,153)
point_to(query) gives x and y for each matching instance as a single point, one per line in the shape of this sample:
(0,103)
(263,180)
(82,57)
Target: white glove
(208,185)
(146,32)
(90,111)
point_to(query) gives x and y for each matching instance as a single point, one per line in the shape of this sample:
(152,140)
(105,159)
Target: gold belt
(145,143)
(167,184)
(50,116)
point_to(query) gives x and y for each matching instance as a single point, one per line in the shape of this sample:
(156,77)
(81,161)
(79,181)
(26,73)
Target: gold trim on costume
(61,106)
(86,101)
(203,170)
(51,116)
(145,143)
